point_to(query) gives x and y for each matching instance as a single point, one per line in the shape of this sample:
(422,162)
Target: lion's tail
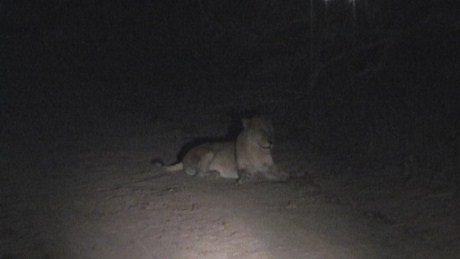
(170,168)
(175,167)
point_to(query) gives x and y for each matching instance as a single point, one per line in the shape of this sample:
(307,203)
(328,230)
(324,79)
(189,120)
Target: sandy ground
(99,196)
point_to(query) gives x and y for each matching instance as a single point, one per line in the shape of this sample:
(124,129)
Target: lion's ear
(246,122)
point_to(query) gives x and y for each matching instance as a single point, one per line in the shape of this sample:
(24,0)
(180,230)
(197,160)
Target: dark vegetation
(369,83)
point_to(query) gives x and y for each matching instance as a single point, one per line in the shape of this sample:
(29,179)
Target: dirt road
(102,198)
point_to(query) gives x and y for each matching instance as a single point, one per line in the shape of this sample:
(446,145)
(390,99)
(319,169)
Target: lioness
(247,158)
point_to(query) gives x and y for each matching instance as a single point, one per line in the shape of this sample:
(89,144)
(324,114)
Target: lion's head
(259,131)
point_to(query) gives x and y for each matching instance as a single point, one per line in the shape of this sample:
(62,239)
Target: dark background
(375,80)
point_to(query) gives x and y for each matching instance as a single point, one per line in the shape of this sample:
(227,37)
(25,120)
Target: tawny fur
(248,157)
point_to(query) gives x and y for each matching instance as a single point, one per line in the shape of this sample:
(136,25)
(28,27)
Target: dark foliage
(373,83)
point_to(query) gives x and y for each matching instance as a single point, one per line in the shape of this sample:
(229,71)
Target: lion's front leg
(245,176)
(254,177)
(274,174)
